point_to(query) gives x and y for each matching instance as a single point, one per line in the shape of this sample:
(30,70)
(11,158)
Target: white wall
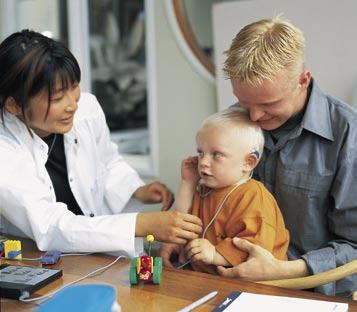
(200,17)
(38,15)
(330,31)
(184,99)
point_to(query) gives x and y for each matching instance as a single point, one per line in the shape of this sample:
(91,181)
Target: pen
(198,302)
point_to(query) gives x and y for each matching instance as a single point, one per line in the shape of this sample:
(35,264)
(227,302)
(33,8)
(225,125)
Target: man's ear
(12,107)
(304,79)
(251,160)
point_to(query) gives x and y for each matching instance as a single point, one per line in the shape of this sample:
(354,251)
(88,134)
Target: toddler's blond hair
(248,131)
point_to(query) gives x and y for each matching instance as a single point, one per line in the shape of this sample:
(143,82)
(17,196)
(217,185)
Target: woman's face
(60,115)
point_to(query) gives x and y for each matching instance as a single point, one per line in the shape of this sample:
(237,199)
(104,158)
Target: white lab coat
(101,181)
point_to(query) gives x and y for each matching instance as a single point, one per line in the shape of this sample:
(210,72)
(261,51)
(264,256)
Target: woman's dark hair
(31,63)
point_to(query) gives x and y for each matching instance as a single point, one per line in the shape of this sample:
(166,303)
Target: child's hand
(200,249)
(189,170)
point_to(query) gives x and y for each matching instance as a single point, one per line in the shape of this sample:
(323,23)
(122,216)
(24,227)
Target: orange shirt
(250,212)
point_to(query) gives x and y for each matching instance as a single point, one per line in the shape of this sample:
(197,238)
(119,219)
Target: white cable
(99,270)
(183,265)
(239,183)
(38,259)
(217,212)
(77,254)
(21,259)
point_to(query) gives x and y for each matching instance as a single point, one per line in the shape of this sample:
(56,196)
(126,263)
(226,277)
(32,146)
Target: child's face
(221,155)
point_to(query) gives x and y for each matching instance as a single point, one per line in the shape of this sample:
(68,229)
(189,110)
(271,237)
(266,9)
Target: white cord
(183,265)
(21,259)
(91,274)
(217,212)
(77,254)
(38,259)
(221,205)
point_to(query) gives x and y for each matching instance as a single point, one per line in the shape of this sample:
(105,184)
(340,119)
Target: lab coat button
(91,215)
(70,180)
(42,147)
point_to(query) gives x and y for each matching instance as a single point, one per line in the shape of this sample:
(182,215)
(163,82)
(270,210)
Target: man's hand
(154,193)
(189,170)
(168,226)
(166,251)
(200,249)
(262,265)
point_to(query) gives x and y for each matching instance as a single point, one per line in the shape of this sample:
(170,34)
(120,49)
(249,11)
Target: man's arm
(341,222)
(262,265)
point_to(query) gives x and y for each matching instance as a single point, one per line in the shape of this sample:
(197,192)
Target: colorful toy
(2,252)
(50,257)
(12,249)
(146,268)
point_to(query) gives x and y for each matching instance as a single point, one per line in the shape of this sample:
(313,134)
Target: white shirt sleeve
(28,202)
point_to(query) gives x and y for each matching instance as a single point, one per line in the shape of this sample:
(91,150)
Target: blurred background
(155,65)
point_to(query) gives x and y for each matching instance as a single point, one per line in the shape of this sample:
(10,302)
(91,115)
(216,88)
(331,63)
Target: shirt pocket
(304,198)
(304,182)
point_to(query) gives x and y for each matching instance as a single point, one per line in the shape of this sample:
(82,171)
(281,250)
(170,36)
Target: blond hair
(263,49)
(247,130)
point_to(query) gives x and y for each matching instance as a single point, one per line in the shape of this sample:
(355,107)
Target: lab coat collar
(34,143)
(16,128)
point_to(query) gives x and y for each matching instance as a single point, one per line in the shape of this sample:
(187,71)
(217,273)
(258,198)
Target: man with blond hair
(310,155)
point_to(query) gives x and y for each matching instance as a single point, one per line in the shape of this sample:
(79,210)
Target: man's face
(272,103)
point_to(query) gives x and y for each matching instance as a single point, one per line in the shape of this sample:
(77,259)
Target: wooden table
(178,288)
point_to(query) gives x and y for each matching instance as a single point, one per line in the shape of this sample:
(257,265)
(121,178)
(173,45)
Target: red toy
(145,268)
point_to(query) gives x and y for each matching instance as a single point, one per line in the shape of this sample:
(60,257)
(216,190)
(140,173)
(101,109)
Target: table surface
(178,288)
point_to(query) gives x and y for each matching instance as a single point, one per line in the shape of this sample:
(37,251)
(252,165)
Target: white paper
(254,302)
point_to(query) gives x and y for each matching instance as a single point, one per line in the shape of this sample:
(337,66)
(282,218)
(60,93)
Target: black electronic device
(17,280)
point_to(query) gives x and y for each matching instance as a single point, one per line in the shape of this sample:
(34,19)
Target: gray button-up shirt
(312,172)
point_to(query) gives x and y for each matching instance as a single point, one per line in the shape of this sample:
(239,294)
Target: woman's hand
(262,265)
(168,226)
(166,251)
(154,193)
(189,170)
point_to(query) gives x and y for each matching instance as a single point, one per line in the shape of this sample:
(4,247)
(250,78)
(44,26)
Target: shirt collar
(317,115)
(18,129)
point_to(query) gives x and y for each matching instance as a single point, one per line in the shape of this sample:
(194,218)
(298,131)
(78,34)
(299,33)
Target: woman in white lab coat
(62,181)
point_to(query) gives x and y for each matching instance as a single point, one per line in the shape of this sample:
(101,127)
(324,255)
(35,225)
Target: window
(34,15)
(110,41)
(118,70)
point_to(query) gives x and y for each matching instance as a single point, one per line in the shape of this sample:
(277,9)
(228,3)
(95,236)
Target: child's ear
(12,107)
(251,160)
